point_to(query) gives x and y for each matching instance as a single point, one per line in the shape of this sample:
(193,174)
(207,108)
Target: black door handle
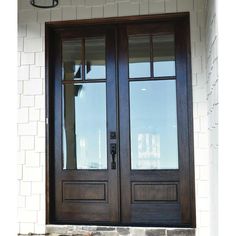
(113,155)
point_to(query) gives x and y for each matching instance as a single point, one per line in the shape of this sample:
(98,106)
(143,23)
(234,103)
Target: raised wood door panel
(149,179)
(84,193)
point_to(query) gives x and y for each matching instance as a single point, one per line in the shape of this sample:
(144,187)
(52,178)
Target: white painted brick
(33,87)
(78,2)
(23,115)
(65,2)
(42,159)
(18,59)
(27,58)
(23,73)
(33,45)
(171,5)
(32,173)
(42,115)
(39,144)
(40,61)
(20,44)
(26,228)
(196,124)
(97,11)
(202,204)
(40,228)
(197,172)
(127,8)
(34,71)
(38,188)
(21,157)
(27,142)
(40,101)
(68,13)
(27,129)
(199,94)
(21,30)
(27,216)
(19,172)
(110,10)
(25,4)
(56,14)
(26,101)
(44,16)
(83,12)
(25,188)
(156,6)
(41,215)
(27,16)
(32,159)
(94,2)
(33,202)
(34,114)
(42,72)
(21,201)
(33,30)
(41,129)
(184,5)
(143,7)
(203,123)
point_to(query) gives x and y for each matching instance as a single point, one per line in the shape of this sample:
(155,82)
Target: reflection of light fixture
(143,89)
(44,3)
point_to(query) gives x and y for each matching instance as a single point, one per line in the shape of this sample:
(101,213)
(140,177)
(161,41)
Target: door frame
(51,29)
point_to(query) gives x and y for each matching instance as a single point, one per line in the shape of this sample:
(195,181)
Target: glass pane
(153,122)
(164,55)
(139,56)
(72,61)
(95,58)
(84,126)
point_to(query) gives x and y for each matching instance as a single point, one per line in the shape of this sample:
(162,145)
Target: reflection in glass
(72,61)
(139,56)
(164,55)
(153,125)
(95,58)
(84,126)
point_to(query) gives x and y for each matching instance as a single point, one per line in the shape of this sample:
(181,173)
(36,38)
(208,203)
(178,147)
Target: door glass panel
(153,125)
(72,59)
(164,55)
(95,58)
(139,56)
(84,126)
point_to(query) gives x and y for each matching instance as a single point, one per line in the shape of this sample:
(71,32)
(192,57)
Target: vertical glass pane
(84,126)
(153,122)
(72,61)
(139,56)
(95,58)
(164,55)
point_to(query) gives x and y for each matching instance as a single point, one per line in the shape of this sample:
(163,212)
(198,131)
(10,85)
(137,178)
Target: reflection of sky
(96,72)
(142,69)
(90,126)
(153,113)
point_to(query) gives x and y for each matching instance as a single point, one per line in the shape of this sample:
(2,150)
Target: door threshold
(94,230)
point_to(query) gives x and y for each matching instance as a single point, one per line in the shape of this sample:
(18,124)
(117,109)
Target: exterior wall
(31,96)
(212,110)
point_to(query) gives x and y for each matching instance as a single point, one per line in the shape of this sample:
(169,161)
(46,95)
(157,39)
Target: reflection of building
(148,151)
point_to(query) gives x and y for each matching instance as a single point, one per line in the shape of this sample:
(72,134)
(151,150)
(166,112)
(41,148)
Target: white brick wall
(31,159)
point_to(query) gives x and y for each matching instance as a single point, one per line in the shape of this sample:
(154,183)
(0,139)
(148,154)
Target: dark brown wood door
(86,183)
(120,118)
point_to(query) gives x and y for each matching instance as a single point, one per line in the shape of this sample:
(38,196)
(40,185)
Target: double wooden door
(119,124)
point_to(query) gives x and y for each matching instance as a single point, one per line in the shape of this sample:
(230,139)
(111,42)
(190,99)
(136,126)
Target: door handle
(113,155)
